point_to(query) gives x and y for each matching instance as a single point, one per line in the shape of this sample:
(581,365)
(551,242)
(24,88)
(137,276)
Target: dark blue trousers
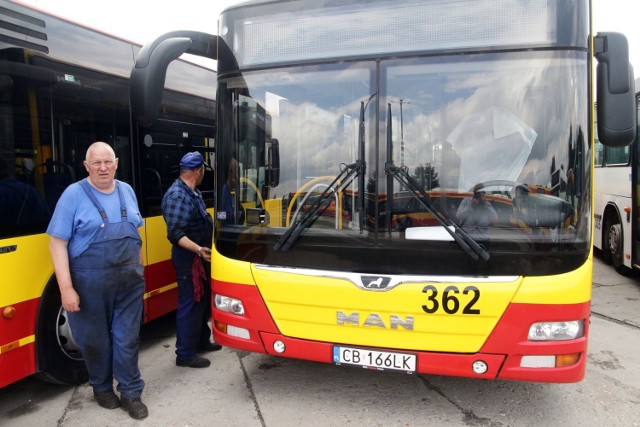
(192,329)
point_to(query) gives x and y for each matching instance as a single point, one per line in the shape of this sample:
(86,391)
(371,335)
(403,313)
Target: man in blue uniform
(190,231)
(95,247)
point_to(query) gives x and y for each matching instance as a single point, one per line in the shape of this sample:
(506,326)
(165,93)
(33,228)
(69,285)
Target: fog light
(479,367)
(538,362)
(279,346)
(229,305)
(556,331)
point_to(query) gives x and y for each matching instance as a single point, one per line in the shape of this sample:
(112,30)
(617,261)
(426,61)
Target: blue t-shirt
(77,220)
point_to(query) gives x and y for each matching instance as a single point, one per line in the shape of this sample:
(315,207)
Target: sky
(144,20)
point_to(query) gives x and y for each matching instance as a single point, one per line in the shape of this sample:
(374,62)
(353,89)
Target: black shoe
(136,409)
(106,399)
(207,347)
(198,362)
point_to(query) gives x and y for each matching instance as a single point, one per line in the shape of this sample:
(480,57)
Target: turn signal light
(220,327)
(563,360)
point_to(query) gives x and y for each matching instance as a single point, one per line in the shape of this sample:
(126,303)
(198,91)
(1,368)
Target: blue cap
(191,161)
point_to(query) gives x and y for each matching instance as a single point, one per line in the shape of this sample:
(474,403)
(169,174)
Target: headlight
(230,305)
(556,331)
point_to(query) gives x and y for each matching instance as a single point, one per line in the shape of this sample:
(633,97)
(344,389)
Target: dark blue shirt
(185,214)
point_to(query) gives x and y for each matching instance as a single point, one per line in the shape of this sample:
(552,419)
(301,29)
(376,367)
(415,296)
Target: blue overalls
(109,279)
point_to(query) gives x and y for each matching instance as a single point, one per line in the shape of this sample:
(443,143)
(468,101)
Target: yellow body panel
(310,307)
(27,267)
(569,288)
(156,248)
(25,270)
(228,270)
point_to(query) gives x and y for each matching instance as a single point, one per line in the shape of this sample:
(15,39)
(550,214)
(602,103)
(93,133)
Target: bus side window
(617,155)
(57,176)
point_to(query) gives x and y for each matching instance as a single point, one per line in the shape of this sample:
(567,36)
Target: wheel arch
(50,366)
(611,211)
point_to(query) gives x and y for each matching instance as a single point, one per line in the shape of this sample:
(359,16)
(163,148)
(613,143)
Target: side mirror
(148,75)
(616,98)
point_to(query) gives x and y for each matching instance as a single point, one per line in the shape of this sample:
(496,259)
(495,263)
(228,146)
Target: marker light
(8,312)
(230,305)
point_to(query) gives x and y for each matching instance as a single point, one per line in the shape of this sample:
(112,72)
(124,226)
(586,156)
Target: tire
(613,246)
(58,358)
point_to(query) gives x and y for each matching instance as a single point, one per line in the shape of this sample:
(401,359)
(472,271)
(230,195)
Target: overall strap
(123,204)
(87,189)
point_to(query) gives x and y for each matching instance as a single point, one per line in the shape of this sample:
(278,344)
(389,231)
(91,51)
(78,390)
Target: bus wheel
(58,357)
(613,247)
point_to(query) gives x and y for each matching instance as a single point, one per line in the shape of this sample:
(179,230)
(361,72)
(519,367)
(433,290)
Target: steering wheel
(309,187)
(502,183)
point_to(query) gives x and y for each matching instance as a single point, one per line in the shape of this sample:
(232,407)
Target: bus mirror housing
(616,97)
(150,70)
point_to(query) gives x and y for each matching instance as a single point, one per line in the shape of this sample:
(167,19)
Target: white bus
(617,213)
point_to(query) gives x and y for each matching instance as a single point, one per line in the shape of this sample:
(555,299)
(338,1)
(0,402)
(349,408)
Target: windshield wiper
(340,182)
(466,242)
(343,180)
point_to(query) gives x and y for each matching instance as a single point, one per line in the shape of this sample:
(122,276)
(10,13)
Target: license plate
(374,359)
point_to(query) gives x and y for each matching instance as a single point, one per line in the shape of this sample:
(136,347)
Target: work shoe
(198,362)
(207,347)
(136,409)
(106,399)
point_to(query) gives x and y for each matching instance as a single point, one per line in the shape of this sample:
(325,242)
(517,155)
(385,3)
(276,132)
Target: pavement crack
(614,320)
(241,355)
(71,404)
(470,418)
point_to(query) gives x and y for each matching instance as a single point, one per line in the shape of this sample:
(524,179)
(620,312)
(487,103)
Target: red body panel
(17,362)
(156,277)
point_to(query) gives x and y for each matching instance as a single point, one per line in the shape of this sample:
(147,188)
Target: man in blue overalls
(190,231)
(96,252)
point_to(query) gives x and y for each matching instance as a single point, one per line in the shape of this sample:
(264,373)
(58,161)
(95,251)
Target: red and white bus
(616,206)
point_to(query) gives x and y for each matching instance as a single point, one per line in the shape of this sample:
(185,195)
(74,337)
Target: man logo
(375,282)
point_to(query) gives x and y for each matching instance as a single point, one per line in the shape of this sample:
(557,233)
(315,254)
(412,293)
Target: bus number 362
(449,301)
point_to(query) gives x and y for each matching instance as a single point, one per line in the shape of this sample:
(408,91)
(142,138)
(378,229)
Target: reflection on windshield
(493,144)
(512,125)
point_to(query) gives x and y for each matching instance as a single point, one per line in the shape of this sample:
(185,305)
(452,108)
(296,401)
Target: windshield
(498,143)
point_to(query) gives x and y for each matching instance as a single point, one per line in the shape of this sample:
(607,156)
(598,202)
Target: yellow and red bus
(406,114)
(63,86)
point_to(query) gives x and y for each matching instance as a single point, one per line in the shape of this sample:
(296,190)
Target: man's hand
(70,300)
